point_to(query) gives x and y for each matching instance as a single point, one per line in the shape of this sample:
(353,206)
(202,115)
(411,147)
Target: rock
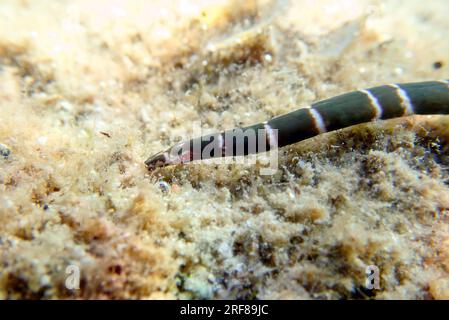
(4,151)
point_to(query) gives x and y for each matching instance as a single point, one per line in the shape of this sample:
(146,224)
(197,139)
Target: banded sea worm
(377,103)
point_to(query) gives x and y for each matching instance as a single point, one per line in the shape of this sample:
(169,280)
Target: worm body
(377,103)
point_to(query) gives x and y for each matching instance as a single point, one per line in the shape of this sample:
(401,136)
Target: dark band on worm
(383,102)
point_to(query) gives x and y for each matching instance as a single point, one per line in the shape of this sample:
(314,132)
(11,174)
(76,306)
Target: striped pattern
(406,104)
(383,102)
(317,120)
(374,103)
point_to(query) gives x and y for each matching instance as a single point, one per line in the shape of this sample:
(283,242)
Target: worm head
(179,153)
(160,159)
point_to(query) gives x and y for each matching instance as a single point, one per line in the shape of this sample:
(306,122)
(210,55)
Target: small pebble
(4,151)
(437,65)
(45,207)
(268,57)
(164,186)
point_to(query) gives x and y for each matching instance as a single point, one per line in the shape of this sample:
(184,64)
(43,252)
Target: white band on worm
(405,100)
(378,110)
(272,140)
(317,119)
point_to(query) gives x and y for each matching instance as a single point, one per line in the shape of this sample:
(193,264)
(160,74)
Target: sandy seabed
(90,89)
